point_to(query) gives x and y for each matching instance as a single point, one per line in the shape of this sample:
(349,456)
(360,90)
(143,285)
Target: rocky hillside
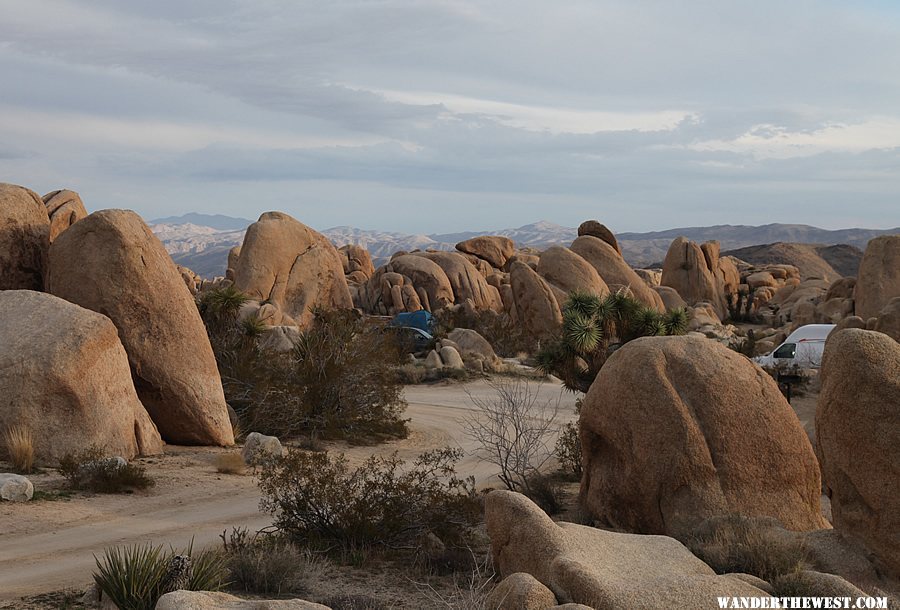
(201,242)
(813,260)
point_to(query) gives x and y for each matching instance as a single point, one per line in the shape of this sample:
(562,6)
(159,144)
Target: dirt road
(49,545)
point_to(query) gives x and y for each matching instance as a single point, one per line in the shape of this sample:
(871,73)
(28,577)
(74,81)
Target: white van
(802,349)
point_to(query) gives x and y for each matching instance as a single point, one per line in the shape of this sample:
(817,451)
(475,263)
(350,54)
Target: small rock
(15,488)
(451,358)
(259,447)
(520,591)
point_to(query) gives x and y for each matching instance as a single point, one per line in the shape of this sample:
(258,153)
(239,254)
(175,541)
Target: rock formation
(569,272)
(24,238)
(614,270)
(858,438)
(65,208)
(296,269)
(535,303)
(64,375)
(493,249)
(678,429)
(111,263)
(879,276)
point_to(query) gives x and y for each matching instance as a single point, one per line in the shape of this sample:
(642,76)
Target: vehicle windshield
(786,351)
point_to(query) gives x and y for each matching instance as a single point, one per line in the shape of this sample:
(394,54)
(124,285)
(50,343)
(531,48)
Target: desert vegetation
(94,470)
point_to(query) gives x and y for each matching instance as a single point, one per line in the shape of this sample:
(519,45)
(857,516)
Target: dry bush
(514,430)
(411,374)
(354,602)
(506,337)
(268,565)
(738,544)
(230,463)
(20,447)
(469,591)
(385,503)
(93,470)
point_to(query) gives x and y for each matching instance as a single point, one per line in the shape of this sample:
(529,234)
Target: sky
(436,116)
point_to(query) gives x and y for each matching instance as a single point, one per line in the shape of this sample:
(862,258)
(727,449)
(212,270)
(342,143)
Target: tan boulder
(858,438)
(841,289)
(356,259)
(528,258)
(878,280)
(686,269)
(614,270)
(472,346)
(208,600)
(569,272)
(64,375)
(535,304)
(652,277)
(293,267)
(465,280)
(670,297)
(425,275)
(761,279)
(520,591)
(678,429)
(850,322)
(65,208)
(24,238)
(604,570)
(494,249)
(110,262)
(600,231)
(889,319)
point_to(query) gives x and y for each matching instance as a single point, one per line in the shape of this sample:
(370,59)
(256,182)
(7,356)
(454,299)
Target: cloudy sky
(438,115)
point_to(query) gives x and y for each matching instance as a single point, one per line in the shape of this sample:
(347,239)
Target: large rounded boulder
(64,376)
(678,429)
(467,282)
(535,302)
(428,278)
(65,208)
(494,249)
(24,238)
(687,268)
(858,438)
(614,270)
(284,262)
(110,262)
(878,280)
(569,272)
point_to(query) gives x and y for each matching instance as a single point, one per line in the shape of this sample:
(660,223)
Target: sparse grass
(92,470)
(269,565)
(52,495)
(20,447)
(469,592)
(230,463)
(740,545)
(354,602)
(411,374)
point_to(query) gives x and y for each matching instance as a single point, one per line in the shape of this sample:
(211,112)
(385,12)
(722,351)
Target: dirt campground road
(48,545)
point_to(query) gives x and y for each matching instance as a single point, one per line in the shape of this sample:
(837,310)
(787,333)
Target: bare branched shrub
(514,430)
(269,565)
(469,592)
(20,447)
(319,500)
(93,470)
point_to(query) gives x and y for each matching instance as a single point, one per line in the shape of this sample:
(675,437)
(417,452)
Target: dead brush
(230,463)
(20,447)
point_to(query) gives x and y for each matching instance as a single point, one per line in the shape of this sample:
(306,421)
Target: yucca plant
(20,447)
(220,307)
(131,576)
(594,327)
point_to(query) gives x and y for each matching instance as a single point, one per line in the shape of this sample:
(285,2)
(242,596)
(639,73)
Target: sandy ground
(48,545)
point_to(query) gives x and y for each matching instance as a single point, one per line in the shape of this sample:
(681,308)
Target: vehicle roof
(810,331)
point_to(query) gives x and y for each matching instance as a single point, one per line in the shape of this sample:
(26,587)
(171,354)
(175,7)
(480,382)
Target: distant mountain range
(202,241)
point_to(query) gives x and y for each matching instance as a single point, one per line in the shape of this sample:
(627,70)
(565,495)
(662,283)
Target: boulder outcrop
(879,276)
(535,303)
(64,375)
(678,429)
(65,208)
(494,249)
(110,262)
(569,272)
(24,238)
(858,438)
(610,265)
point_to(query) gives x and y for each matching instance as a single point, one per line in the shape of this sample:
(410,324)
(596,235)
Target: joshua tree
(594,327)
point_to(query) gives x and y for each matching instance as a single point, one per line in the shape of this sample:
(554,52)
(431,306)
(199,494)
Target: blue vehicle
(414,330)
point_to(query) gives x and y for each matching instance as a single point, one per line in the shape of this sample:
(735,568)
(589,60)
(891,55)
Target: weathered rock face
(258,448)
(64,375)
(15,488)
(606,570)
(65,208)
(879,276)
(614,270)
(520,591)
(494,249)
(670,297)
(208,600)
(111,263)
(889,319)
(678,429)
(600,231)
(536,305)
(687,270)
(858,438)
(293,267)
(427,278)
(569,272)
(472,346)
(465,280)
(24,238)
(356,262)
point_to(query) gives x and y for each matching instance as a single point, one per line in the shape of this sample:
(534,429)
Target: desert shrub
(594,327)
(319,500)
(20,448)
(230,463)
(508,338)
(469,590)
(741,308)
(340,381)
(268,565)
(546,493)
(739,544)
(135,577)
(513,430)
(568,446)
(411,374)
(354,602)
(92,470)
